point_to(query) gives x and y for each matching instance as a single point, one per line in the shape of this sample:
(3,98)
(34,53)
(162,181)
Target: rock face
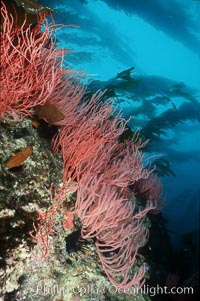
(24,188)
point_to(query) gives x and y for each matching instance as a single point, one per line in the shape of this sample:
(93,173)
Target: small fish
(126,74)
(174,108)
(18,158)
(35,123)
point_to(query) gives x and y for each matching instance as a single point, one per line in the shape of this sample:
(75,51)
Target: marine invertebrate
(87,129)
(104,168)
(150,189)
(26,76)
(88,141)
(110,216)
(46,221)
(109,211)
(31,70)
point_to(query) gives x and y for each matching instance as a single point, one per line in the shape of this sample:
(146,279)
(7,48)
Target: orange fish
(18,158)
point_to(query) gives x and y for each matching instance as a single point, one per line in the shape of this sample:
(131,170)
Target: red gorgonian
(32,77)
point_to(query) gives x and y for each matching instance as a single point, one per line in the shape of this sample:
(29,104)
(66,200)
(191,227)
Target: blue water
(161,39)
